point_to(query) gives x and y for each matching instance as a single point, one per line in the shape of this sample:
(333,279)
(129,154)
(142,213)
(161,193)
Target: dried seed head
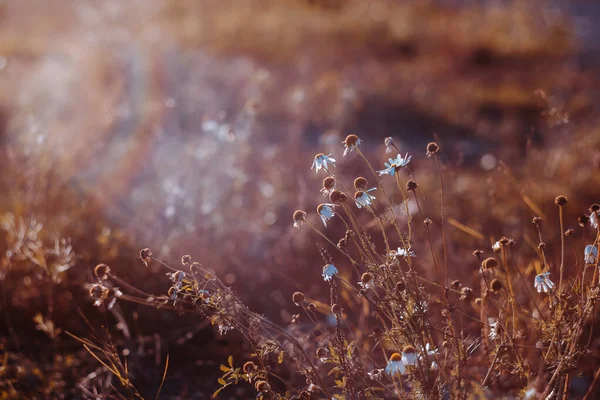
(400,286)
(249,367)
(328,182)
(172,290)
(427,221)
(312,307)
(536,220)
(496,285)
(466,294)
(388,141)
(262,386)
(583,220)
(432,148)
(478,301)
(489,263)
(185,260)
(504,240)
(366,277)
(336,309)
(360,183)
(321,352)
(343,242)
(569,232)
(97,291)
(101,271)
(411,185)
(299,215)
(145,254)
(477,253)
(446,344)
(542,246)
(409,349)
(456,284)
(396,357)
(298,298)
(358,194)
(595,207)
(337,197)
(351,140)
(560,201)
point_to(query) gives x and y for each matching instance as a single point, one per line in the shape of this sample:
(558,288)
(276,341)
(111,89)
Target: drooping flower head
(329,271)
(389,145)
(328,185)
(543,283)
(363,198)
(394,164)
(351,142)
(594,219)
(326,212)
(590,254)
(298,217)
(321,161)
(409,355)
(395,365)
(366,280)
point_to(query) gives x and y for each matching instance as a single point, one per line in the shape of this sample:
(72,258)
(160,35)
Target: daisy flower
(328,186)
(594,219)
(350,143)
(395,365)
(543,283)
(394,164)
(402,252)
(321,160)
(329,271)
(389,145)
(363,198)
(326,212)
(590,254)
(298,217)
(366,281)
(409,355)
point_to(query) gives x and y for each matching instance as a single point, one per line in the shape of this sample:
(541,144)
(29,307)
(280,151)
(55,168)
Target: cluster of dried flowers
(406,329)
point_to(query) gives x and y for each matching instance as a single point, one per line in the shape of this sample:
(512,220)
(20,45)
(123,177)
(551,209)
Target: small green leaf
(216,393)
(280,358)
(222,382)
(230,360)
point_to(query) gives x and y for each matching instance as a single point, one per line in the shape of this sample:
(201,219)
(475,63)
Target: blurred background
(189,127)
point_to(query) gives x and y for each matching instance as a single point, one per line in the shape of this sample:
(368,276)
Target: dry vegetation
(190,129)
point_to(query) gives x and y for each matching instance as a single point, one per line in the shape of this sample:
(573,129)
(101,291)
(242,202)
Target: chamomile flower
(402,252)
(395,365)
(326,212)
(363,198)
(366,281)
(389,145)
(299,218)
(590,254)
(432,354)
(224,328)
(350,143)
(394,164)
(494,328)
(321,161)
(543,283)
(409,355)
(594,219)
(328,186)
(329,271)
